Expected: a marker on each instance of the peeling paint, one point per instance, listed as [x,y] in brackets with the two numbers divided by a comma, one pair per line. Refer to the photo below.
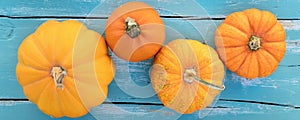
[290,24]
[13,103]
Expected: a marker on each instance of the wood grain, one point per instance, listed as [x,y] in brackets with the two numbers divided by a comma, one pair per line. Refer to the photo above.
[273,97]
[198,8]
[226,111]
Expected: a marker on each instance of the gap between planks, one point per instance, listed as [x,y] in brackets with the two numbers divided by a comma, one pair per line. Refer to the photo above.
[87,17]
[159,104]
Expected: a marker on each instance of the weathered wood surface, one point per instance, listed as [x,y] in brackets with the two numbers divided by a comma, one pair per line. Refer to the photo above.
[276,96]
[236,110]
[284,9]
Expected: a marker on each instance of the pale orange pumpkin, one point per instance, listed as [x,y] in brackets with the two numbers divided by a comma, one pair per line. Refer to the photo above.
[251,43]
[64,68]
[187,75]
[135,31]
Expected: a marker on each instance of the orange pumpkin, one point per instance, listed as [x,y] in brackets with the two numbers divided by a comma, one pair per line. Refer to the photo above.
[64,68]
[135,32]
[187,75]
[251,43]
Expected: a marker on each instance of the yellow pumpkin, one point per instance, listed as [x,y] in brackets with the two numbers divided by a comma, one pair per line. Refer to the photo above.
[64,68]
[187,75]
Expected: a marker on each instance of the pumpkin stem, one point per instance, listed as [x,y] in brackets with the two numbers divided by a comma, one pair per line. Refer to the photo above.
[58,74]
[254,43]
[190,75]
[132,28]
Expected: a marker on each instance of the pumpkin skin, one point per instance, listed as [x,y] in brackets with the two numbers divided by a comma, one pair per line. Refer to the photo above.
[54,68]
[138,44]
[251,43]
[171,71]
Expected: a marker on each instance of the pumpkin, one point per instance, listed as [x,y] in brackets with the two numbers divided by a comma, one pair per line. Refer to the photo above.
[187,75]
[135,32]
[251,43]
[64,68]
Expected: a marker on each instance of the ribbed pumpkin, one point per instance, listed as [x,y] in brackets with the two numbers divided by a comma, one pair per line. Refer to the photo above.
[251,43]
[187,75]
[64,68]
[135,32]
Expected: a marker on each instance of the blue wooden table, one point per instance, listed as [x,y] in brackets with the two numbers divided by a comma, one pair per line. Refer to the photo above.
[273,97]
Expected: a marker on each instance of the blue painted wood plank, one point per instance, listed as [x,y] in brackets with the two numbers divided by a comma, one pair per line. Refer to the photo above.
[200,8]
[266,89]
[229,110]
[11,110]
